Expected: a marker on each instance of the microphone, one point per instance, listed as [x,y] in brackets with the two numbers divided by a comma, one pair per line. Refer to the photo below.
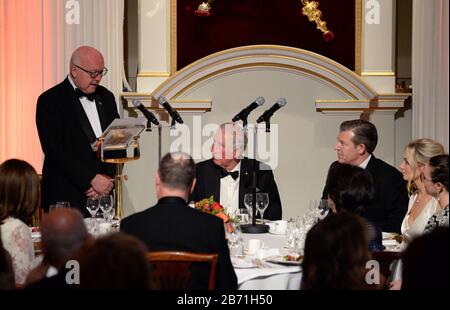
[173,113]
[148,115]
[281,102]
[245,112]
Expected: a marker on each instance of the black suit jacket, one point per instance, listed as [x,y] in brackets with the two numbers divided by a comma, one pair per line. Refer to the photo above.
[172,225]
[391,197]
[66,136]
[208,177]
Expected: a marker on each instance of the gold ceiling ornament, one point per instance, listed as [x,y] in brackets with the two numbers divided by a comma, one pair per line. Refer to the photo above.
[204,9]
[310,9]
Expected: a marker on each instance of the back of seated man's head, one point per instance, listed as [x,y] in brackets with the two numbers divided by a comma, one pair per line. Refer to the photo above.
[425,262]
[115,261]
[177,172]
[349,188]
[63,233]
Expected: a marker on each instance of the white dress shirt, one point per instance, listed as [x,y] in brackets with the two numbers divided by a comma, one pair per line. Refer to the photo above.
[366,162]
[229,192]
[91,112]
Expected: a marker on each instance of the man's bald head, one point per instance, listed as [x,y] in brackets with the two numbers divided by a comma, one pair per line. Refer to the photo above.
[84,61]
[63,233]
[84,55]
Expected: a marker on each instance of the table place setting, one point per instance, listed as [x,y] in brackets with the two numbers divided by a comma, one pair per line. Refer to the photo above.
[288,260]
[253,267]
[392,242]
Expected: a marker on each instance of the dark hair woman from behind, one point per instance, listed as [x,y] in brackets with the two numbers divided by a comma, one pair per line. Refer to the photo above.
[20,195]
[336,254]
[20,190]
[350,188]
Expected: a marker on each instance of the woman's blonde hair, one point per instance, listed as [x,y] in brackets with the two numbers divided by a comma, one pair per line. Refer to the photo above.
[418,153]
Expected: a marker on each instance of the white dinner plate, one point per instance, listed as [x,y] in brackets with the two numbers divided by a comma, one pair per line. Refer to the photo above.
[281,260]
[276,233]
[242,263]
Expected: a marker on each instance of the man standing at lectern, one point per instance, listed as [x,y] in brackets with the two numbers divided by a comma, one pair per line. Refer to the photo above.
[69,118]
[228,175]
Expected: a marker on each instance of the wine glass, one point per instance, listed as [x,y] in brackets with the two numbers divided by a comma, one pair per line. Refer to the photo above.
[106,204]
[236,242]
[324,208]
[92,205]
[62,204]
[243,215]
[262,202]
[248,202]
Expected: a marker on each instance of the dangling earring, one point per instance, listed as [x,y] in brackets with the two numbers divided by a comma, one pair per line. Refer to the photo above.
[439,196]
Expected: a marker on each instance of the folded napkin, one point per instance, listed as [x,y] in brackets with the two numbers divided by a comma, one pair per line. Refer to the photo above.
[264,253]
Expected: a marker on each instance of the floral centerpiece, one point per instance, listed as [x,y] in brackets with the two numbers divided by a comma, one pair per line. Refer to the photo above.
[208,205]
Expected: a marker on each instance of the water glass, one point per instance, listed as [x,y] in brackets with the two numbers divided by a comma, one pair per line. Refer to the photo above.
[243,216]
[248,202]
[236,241]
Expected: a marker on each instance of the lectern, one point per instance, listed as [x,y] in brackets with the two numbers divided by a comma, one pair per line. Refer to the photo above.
[119,144]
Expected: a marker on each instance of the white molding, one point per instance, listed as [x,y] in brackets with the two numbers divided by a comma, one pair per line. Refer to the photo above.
[273,56]
[183,106]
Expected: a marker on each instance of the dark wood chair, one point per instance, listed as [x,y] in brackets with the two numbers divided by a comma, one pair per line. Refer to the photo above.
[385,259]
[170,270]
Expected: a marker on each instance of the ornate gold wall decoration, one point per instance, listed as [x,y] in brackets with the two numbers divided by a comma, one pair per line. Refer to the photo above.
[310,9]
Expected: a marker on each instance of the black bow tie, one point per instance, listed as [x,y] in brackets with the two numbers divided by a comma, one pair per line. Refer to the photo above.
[79,93]
[233,174]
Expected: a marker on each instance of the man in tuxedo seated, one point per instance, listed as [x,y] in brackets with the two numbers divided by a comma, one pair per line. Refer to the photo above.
[228,175]
[355,145]
[63,235]
[70,117]
[171,225]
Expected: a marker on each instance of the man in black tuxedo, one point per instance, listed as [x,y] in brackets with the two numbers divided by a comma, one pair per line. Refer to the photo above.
[356,142]
[69,118]
[172,225]
[228,175]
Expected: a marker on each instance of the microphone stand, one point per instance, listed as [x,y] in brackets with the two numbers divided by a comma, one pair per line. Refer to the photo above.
[254,228]
[149,125]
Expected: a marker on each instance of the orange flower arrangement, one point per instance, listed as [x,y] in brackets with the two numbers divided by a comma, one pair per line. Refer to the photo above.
[208,205]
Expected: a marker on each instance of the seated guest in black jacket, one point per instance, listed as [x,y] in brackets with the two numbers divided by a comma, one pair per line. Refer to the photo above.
[172,225]
[228,175]
[355,145]
[350,189]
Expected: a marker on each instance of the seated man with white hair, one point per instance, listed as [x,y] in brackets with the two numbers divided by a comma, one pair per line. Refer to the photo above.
[228,174]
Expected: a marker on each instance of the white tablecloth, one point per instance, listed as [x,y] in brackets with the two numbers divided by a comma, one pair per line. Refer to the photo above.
[269,276]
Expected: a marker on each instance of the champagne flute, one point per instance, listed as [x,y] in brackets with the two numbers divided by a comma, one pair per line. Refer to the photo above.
[106,204]
[262,202]
[92,205]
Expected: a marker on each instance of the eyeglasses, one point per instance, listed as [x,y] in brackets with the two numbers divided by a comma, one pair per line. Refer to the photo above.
[423,179]
[93,74]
